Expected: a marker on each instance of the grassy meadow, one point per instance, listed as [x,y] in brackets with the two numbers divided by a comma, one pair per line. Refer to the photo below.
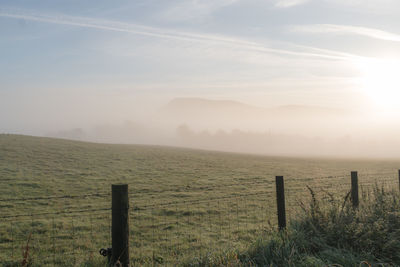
[185,205]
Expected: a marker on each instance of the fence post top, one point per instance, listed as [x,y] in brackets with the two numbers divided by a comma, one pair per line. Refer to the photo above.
[119,185]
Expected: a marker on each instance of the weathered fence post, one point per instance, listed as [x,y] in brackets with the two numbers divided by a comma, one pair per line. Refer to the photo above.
[354,189]
[399,179]
[120,225]
[280,201]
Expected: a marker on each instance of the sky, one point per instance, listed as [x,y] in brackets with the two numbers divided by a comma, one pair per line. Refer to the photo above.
[70,64]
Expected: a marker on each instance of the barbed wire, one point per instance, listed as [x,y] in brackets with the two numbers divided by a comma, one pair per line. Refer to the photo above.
[55,197]
[53,213]
[135,207]
[102,194]
[197,200]
[179,189]
[379,173]
[191,189]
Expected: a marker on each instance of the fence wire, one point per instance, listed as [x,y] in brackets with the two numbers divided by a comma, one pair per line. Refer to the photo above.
[165,229]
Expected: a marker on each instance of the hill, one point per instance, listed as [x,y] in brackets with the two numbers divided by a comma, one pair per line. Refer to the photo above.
[199,107]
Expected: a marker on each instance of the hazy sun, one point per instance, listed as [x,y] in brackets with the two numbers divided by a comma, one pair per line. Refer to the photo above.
[380,80]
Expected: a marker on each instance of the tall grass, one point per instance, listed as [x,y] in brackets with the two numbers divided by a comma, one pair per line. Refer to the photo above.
[329,232]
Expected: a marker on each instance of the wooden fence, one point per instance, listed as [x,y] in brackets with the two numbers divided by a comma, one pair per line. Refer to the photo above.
[157,231]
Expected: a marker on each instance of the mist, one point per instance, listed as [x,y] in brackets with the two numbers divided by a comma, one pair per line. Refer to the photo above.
[234,126]
[206,76]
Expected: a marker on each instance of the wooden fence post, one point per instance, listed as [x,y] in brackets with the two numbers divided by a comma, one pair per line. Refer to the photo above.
[280,201]
[399,179]
[120,225]
[354,189]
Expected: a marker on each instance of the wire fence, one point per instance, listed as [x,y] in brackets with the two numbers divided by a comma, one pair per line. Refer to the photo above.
[167,227]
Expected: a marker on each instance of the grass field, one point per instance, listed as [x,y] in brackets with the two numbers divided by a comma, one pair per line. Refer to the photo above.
[184,203]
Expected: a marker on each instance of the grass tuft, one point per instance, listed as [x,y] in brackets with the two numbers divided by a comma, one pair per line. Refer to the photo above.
[328,232]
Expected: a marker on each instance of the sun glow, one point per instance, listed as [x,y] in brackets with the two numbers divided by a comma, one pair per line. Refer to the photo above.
[380,80]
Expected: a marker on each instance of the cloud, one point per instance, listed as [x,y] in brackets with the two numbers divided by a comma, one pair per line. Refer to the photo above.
[194,9]
[208,39]
[289,3]
[376,6]
[347,29]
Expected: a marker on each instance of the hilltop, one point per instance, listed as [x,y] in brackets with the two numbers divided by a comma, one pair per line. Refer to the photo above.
[186,107]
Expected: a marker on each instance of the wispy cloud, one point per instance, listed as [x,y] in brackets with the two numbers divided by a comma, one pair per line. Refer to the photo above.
[289,3]
[371,6]
[346,29]
[194,9]
[209,39]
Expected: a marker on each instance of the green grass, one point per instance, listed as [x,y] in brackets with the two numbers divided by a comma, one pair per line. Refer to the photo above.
[328,233]
[219,201]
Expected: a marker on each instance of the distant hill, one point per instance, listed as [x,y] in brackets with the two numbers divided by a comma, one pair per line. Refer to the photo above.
[307,111]
[200,106]
[195,108]
[183,102]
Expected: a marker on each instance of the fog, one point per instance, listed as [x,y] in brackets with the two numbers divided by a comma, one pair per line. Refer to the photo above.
[266,77]
[225,125]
